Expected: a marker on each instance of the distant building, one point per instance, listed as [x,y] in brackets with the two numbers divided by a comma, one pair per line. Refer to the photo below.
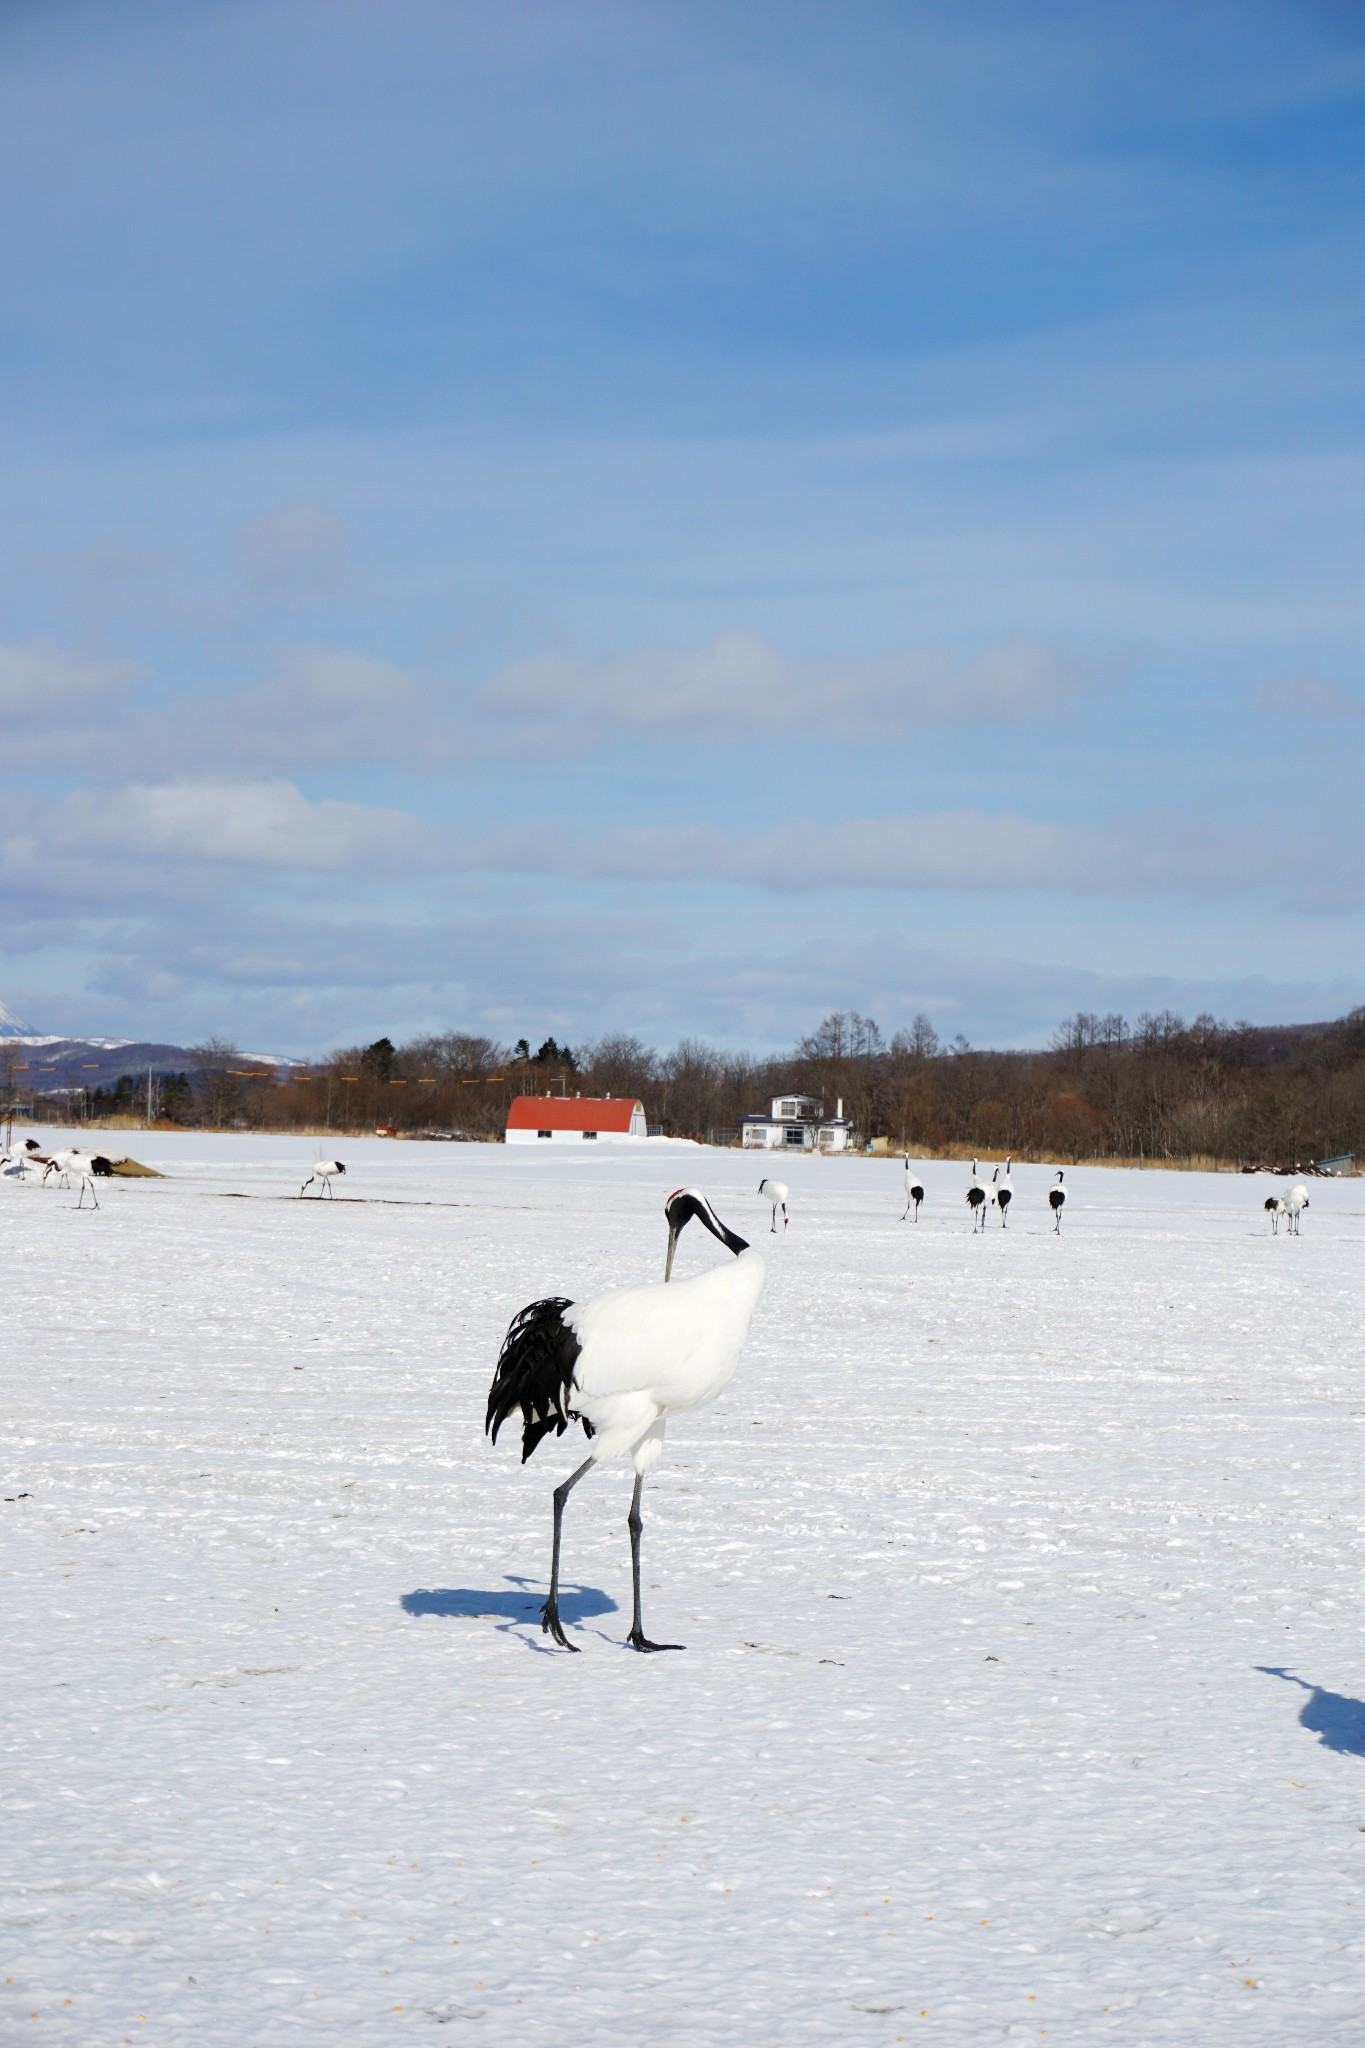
[572,1119]
[797,1123]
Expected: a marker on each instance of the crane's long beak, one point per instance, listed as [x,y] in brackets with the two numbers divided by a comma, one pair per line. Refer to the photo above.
[672,1247]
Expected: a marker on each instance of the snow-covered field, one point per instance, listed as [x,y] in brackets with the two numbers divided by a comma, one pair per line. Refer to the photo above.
[1021,1581]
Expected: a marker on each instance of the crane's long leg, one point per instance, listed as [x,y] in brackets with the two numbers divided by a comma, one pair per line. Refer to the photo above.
[549,1613]
[637,1638]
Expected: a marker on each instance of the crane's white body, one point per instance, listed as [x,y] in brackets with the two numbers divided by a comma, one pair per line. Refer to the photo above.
[63,1164]
[1004,1190]
[659,1350]
[325,1171]
[1295,1202]
[914,1191]
[776,1192]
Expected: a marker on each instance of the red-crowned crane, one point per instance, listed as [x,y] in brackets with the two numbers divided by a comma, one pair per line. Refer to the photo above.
[914,1191]
[325,1171]
[84,1166]
[28,1154]
[62,1164]
[977,1199]
[1275,1207]
[1057,1198]
[621,1364]
[1295,1202]
[1004,1191]
[776,1192]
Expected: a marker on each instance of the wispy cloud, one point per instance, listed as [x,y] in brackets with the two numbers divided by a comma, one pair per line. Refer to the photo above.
[322,706]
[53,700]
[739,685]
[254,824]
[317,707]
[143,836]
[1145,855]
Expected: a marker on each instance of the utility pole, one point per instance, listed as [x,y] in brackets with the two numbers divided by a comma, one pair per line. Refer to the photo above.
[9,1097]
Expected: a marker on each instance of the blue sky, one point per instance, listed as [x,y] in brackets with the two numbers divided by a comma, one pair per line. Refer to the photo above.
[678,518]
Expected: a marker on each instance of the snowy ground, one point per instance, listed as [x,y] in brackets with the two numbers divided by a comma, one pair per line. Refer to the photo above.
[1021,1584]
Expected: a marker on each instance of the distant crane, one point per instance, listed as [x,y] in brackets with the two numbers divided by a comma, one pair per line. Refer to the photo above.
[776,1192]
[1057,1197]
[1275,1207]
[914,1191]
[977,1199]
[1296,1201]
[326,1170]
[1004,1191]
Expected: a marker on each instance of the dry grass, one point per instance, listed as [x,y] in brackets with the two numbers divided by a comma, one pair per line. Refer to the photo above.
[1197,1162]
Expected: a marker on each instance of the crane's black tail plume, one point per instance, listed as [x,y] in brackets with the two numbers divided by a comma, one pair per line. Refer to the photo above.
[535,1373]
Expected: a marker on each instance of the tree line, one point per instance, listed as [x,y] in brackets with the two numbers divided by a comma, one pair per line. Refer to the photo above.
[1157,1089]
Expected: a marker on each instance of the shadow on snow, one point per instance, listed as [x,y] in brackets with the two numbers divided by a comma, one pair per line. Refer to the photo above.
[1337,1720]
[520,1601]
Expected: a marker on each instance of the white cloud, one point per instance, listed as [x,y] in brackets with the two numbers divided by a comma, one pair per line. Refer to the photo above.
[255,824]
[1148,855]
[322,707]
[46,690]
[739,685]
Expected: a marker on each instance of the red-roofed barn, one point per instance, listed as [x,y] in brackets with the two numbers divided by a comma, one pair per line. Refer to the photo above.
[558,1119]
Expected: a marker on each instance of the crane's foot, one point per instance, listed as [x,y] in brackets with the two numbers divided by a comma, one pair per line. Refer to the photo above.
[549,1623]
[638,1640]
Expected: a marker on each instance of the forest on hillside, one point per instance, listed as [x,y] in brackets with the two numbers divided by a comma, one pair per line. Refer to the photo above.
[1159,1089]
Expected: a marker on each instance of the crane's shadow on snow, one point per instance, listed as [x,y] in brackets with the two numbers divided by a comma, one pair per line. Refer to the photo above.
[510,1607]
[1337,1720]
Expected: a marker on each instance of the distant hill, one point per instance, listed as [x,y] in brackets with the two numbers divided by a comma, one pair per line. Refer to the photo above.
[10,1026]
[59,1063]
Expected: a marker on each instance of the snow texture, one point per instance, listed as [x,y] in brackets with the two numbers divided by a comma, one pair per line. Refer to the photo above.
[1020,1578]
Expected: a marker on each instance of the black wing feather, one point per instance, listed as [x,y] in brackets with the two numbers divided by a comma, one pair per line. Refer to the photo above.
[535,1373]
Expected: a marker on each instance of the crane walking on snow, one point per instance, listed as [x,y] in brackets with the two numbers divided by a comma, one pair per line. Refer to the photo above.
[1004,1192]
[325,1170]
[621,1364]
[914,1191]
[1275,1207]
[1296,1201]
[1057,1197]
[776,1191]
[977,1199]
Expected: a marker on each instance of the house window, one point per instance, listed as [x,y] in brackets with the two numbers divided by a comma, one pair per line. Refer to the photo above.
[796,1134]
[545,1134]
[589,1134]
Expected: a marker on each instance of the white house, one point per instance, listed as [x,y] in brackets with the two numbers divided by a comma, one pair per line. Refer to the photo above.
[797,1123]
[790,1127]
[574,1119]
